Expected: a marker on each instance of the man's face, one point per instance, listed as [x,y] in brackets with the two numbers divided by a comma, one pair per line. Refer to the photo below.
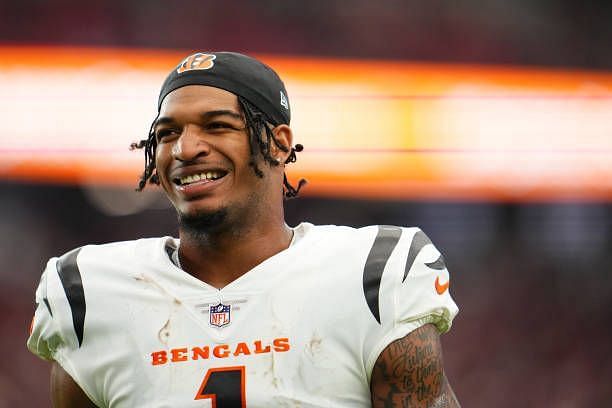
[203,154]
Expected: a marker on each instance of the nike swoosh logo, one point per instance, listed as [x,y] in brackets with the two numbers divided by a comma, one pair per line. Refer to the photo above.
[441,288]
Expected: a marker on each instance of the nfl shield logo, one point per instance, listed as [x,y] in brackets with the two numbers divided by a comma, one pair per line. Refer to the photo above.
[220,315]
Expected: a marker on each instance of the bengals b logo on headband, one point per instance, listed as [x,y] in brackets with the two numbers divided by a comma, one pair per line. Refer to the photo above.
[196,61]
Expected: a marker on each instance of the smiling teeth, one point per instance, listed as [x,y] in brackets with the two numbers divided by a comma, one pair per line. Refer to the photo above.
[209,175]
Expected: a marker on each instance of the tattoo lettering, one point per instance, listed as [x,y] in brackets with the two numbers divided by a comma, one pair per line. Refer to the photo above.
[410,373]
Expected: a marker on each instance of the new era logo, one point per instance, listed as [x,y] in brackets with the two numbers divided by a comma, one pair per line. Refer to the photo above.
[283,100]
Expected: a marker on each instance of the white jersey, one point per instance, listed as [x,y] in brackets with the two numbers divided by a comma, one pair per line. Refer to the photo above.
[304,328]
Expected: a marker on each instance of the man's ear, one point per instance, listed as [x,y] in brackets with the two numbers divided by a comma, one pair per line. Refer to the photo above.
[284,136]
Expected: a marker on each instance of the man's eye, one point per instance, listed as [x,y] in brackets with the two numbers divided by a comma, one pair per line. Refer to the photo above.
[218,126]
[163,133]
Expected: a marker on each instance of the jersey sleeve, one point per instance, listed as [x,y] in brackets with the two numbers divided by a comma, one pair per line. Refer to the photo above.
[55,334]
[422,295]
[57,327]
[415,290]
[45,334]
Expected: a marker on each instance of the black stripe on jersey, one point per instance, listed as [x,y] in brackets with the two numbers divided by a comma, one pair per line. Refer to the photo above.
[381,250]
[43,293]
[418,242]
[171,252]
[70,276]
[438,264]
[48,306]
[170,248]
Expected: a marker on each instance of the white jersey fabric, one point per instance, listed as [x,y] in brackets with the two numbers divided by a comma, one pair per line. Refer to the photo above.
[304,328]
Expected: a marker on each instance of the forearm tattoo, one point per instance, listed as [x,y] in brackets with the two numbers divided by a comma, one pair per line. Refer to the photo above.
[410,373]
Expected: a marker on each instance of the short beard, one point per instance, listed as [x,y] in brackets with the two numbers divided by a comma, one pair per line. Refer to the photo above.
[202,224]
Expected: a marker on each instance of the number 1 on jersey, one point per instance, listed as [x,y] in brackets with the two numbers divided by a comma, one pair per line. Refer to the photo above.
[224,386]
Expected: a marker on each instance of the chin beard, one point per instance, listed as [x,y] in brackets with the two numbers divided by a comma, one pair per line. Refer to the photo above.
[202,223]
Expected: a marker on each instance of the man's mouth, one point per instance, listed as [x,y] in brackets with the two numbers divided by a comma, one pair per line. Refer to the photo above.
[199,177]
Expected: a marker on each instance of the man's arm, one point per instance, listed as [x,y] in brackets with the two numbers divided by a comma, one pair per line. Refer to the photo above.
[410,373]
[65,393]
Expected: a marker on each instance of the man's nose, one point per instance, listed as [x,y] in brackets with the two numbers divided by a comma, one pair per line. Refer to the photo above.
[190,145]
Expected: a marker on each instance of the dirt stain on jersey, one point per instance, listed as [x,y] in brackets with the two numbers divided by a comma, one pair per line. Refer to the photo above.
[287,402]
[147,279]
[164,333]
[275,380]
[313,347]
[270,373]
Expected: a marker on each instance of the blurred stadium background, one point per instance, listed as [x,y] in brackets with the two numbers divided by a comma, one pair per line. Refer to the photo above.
[487,124]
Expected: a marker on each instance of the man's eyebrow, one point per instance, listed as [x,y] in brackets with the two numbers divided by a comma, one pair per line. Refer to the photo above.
[204,116]
[210,114]
[162,121]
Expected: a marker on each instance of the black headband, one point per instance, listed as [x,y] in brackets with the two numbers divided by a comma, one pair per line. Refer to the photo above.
[235,73]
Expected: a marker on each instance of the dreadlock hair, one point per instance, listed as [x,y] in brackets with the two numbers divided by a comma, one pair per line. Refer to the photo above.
[259,131]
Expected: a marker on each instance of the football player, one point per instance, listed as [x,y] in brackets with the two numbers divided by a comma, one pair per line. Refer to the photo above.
[242,310]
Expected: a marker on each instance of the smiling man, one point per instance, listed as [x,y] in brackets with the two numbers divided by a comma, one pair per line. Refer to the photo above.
[242,310]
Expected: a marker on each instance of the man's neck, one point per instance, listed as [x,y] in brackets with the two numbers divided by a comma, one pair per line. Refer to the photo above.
[218,258]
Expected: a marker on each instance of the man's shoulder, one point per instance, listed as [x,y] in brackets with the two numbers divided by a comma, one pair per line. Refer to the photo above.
[347,234]
[129,246]
[357,243]
[111,254]
[350,228]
